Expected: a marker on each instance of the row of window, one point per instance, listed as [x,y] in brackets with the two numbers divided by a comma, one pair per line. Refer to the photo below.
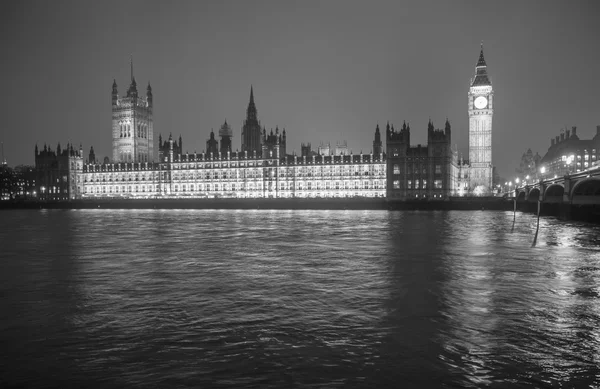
[126,132]
[228,187]
[416,168]
[418,184]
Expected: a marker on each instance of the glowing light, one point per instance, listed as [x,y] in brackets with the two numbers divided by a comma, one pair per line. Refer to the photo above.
[517,180]
[543,169]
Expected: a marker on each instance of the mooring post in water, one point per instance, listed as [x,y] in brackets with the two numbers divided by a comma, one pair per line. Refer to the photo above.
[537,229]
[514,214]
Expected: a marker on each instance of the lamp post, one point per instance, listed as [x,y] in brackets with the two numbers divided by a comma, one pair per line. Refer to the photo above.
[543,171]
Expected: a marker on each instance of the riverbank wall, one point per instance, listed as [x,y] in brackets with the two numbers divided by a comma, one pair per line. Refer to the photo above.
[482,203]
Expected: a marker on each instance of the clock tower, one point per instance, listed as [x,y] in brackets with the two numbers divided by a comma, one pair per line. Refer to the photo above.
[480,103]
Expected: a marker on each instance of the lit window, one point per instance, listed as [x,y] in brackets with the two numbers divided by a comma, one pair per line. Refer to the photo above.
[396,169]
[397,184]
[409,184]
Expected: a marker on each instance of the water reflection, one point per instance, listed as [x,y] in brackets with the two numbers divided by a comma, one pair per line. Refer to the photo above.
[297,298]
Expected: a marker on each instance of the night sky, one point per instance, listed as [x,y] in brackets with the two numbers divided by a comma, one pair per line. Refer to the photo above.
[326,71]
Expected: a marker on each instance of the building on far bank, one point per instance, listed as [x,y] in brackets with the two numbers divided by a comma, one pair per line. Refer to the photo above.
[569,154]
[58,173]
[263,168]
[132,124]
[419,172]
[481,112]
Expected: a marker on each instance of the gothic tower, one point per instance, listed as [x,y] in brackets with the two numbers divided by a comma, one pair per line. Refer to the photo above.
[226,134]
[480,103]
[251,134]
[132,125]
[377,145]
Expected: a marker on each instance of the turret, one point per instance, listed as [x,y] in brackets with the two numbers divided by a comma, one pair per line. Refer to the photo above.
[377,145]
[149,94]
[226,134]
[212,145]
[92,156]
[170,148]
[115,93]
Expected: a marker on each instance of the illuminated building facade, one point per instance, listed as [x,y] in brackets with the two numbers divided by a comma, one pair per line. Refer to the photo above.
[569,154]
[263,169]
[420,172]
[480,106]
[238,175]
[132,125]
[221,173]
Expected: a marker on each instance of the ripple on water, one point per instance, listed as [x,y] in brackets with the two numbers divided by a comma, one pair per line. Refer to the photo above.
[258,298]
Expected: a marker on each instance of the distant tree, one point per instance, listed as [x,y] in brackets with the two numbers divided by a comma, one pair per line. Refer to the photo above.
[23,169]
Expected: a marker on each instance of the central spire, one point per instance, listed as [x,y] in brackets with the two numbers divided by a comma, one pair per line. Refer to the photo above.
[481,61]
[251,111]
[132,91]
[481,76]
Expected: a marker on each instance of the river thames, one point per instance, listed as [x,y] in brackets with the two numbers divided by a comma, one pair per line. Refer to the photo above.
[259,298]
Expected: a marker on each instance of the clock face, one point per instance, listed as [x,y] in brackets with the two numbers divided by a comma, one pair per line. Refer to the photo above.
[480,102]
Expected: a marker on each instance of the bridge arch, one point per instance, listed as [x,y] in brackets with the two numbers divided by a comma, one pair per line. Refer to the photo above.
[586,191]
[554,190]
[520,195]
[534,194]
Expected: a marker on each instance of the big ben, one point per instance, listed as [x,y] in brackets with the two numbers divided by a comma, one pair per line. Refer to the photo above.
[481,98]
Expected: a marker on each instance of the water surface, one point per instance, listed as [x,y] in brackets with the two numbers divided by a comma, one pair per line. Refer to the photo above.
[259,298]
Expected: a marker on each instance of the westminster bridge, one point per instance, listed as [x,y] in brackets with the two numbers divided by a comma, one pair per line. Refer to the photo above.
[573,195]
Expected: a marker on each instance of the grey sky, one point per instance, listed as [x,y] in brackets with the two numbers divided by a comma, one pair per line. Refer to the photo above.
[326,71]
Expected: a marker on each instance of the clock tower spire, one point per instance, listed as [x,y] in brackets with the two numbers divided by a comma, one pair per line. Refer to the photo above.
[480,108]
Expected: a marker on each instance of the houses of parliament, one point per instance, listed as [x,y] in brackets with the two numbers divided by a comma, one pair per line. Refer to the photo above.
[264,168]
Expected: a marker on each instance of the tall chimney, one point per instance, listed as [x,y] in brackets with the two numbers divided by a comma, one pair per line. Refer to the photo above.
[573,130]
[557,138]
[562,136]
[567,135]
[551,142]
[598,130]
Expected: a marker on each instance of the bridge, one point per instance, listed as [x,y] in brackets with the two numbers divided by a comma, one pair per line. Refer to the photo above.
[573,193]
[578,189]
